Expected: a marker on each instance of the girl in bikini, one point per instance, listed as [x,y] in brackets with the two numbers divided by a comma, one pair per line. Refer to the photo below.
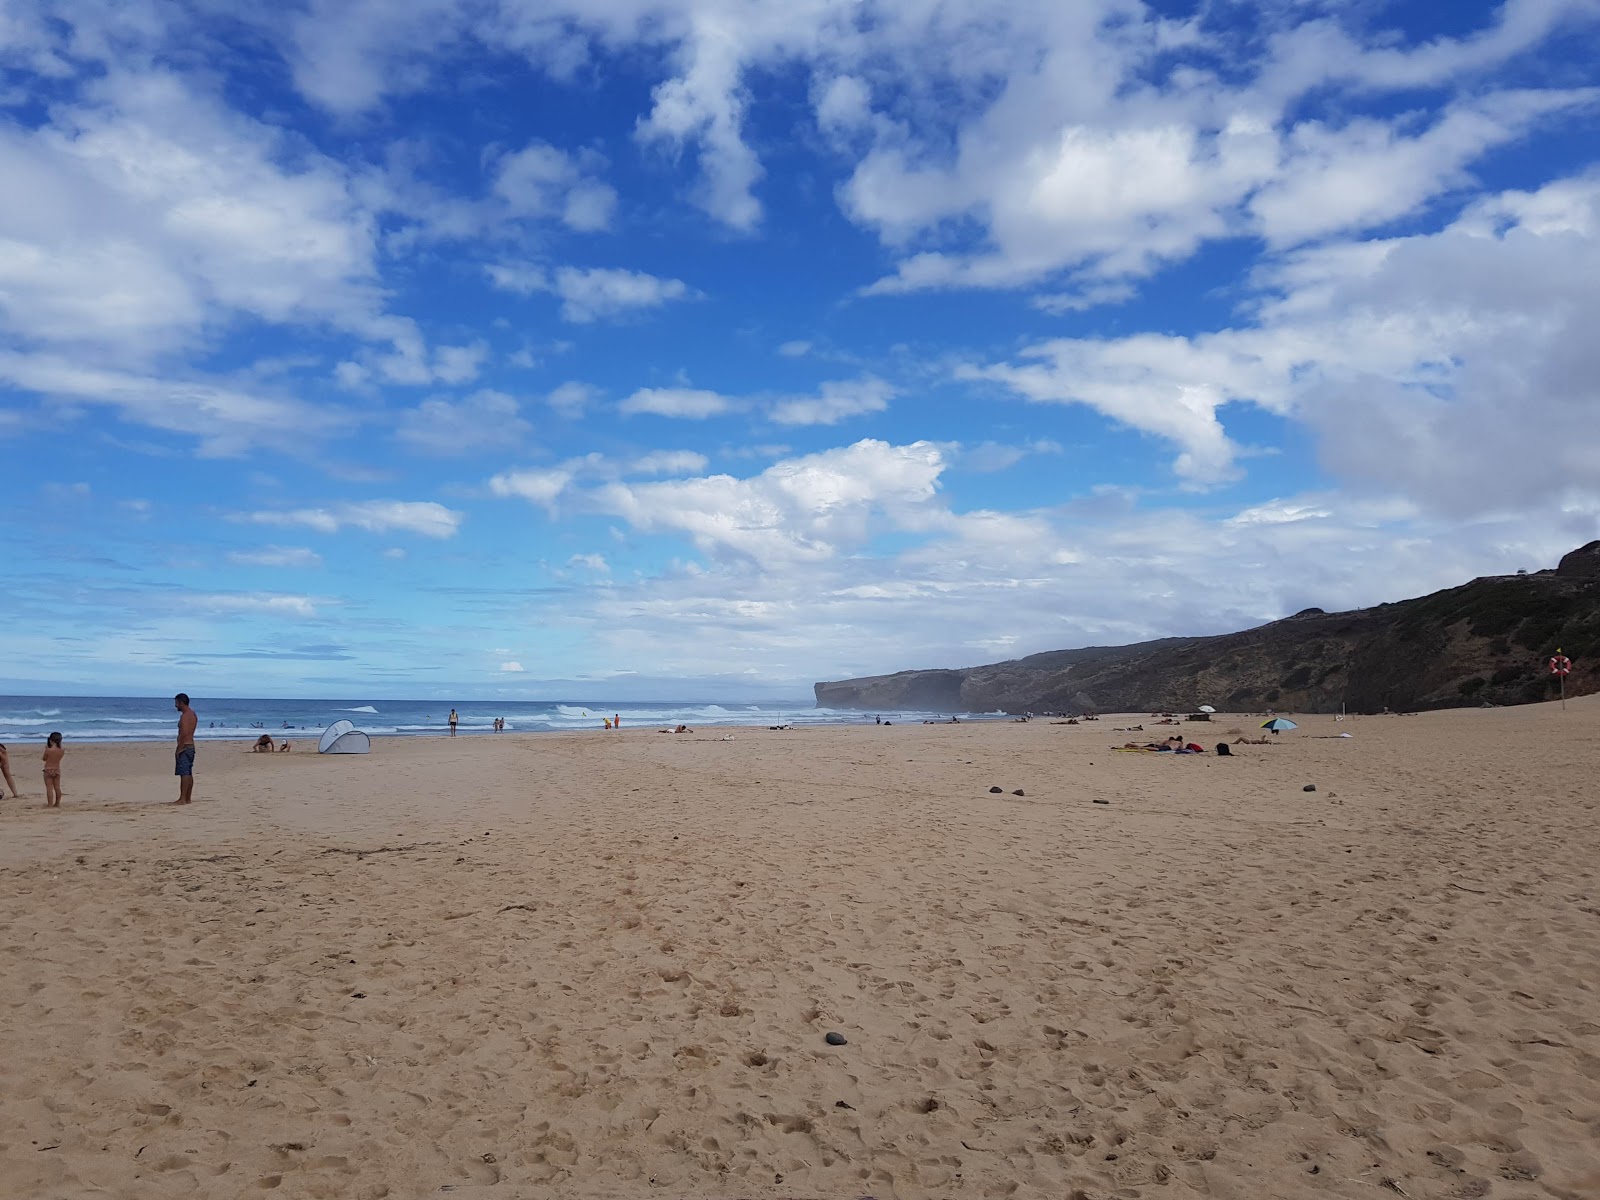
[54,752]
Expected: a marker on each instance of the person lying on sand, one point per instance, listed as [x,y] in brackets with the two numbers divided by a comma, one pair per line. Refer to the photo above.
[679,729]
[1261,741]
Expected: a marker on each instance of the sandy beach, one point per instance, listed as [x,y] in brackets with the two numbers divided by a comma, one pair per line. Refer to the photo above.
[605,965]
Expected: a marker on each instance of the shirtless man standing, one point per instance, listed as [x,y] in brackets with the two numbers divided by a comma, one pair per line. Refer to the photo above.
[183,766]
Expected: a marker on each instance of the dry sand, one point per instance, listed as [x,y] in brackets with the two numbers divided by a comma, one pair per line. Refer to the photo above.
[598,965]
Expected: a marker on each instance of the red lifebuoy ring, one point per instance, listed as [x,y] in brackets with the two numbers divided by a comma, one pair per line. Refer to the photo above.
[1560,664]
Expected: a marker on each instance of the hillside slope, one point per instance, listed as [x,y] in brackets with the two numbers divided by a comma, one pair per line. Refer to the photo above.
[1485,641]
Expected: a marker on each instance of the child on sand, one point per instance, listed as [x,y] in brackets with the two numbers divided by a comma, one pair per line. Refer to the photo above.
[5,770]
[54,752]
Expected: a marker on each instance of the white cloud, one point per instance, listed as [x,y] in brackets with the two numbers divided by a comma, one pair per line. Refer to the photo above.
[145,213]
[511,668]
[1371,171]
[539,486]
[459,364]
[394,552]
[424,517]
[543,181]
[798,509]
[485,420]
[795,349]
[570,399]
[1414,361]
[276,556]
[668,462]
[688,403]
[523,278]
[590,562]
[591,294]
[835,402]
[268,603]
[225,419]
[1097,136]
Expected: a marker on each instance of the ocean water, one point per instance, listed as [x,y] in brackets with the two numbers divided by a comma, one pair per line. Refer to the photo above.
[26,719]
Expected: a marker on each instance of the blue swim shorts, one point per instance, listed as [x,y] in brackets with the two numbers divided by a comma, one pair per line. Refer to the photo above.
[185,762]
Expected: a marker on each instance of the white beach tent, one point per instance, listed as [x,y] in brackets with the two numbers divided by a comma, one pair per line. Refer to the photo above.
[343,738]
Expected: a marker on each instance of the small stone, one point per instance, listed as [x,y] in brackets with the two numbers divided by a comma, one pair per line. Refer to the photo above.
[996,791]
[1100,802]
[836,1039]
[1310,787]
[1018,792]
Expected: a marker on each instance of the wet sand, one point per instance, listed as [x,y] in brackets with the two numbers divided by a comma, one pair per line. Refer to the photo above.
[603,965]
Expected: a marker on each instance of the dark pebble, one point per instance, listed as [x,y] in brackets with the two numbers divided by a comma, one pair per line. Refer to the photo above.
[996,791]
[1310,787]
[1100,802]
[836,1039]
[1018,792]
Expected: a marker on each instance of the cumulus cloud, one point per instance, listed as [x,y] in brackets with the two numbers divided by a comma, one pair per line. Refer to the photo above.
[597,293]
[542,181]
[424,517]
[511,668]
[145,213]
[541,486]
[835,402]
[691,404]
[1416,361]
[591,294]
[801,508]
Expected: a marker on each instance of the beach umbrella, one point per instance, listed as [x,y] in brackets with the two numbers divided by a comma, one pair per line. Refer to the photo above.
[1279,724]
[1207,708]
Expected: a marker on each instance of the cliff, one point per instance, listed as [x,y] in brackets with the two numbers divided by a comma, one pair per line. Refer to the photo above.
[1485,641]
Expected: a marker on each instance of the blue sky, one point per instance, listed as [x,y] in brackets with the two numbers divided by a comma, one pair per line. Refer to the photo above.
[712,347]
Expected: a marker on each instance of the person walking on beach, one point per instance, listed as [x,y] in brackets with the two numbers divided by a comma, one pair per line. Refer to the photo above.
[54,752]
[453,720]
[5,770]
[183,757]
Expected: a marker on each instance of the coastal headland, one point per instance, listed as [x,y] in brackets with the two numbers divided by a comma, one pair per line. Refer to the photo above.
[1486,641]
[584,965]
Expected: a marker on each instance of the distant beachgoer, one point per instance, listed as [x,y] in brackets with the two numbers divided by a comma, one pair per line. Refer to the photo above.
[616,721]
[453,720]
[54,752]
[264,745]
[683,729]
[183,755]
[877,720]
[284,749]
[5,770]
[607,720]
